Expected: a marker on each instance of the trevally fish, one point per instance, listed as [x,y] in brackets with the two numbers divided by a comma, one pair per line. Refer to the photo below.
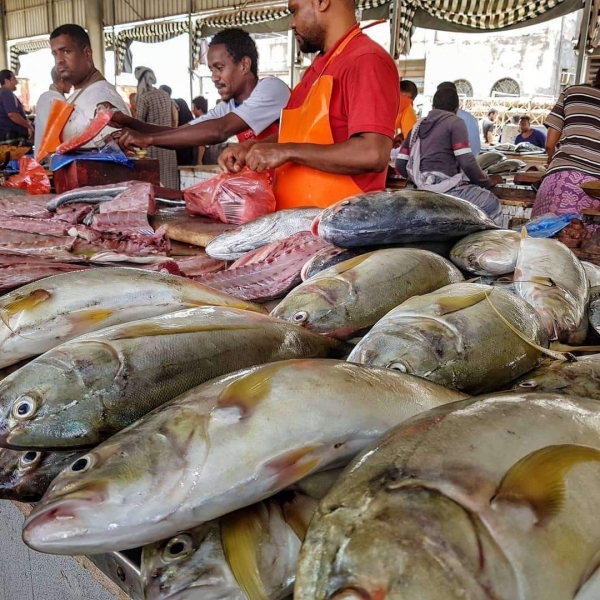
[38,316]
[492,497]
[224,445]
[81,392]
[399,217]
[465,336]
[233,244]
[355,294]
[550,277]
[491,252]
[26,475]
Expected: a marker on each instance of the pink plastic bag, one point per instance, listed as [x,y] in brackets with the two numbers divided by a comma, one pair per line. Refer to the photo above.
[232,198]
[32,177]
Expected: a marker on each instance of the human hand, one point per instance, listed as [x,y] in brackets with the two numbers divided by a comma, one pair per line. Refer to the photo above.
[130,139]
[263,157]
[119,120]
[495,180]
[233,158]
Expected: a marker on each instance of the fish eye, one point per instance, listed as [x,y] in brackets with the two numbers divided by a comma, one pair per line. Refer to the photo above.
[24,408]
[300,317]
[530,383]
[29,459]
[178,547]
[398,366]
[81,465]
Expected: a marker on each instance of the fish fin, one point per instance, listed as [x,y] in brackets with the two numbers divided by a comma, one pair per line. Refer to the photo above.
[23,303]
[547,281]
[248,391]
[558,347]
[524,233]
[241,540]
[294,465]
[538,478]
[81,320]
[520,334]
[149,329]
[351,263]
[298,512]
[450,304]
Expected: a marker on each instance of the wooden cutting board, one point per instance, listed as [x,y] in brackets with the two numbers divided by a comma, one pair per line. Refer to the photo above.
[198,231]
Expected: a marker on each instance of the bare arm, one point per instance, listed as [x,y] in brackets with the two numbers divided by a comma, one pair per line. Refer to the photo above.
[121,120]
[551,142]
[19,120]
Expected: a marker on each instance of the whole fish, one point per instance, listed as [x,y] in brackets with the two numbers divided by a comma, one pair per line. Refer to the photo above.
[506,166]
[249,553]
[26,475]
[90,194]
[580,378]
[48,312]
[593,273]
[233,244]
[487,252]
[493,497]
[82,392]
[324,259]
[399,217]
[352,296]
[487,159]
[271,272]
[224,445]
[463,336]
[594,309]
[550,277]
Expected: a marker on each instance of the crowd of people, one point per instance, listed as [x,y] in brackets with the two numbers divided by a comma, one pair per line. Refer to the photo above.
[329,138]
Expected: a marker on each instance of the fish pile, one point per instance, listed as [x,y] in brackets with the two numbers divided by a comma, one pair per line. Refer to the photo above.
[393,428]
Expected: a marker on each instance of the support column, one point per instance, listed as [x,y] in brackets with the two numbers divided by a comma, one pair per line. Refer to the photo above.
[94,21]
[3,47]
[586,17]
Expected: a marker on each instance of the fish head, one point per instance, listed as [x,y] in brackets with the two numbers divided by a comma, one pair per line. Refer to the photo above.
[55,401]
[122,488]
[191,564]
[407,543]
[410,344]
[319,307]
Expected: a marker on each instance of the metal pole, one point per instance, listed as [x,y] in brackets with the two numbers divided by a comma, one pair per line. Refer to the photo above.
[191,51]
[94,21]
[394,30]
[292,47]
[3,36]
[586,17]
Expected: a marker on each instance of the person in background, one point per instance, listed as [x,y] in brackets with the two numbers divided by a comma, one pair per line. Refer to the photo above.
[407,117]
[133,104]
[251,107]
[13,122]
[74,61]
[155,107]
[57,91]
[175,108]
[573,152]
[185,156]
[488,126]
[509,132]
[529,134]
[199,106]
[437,157]
[468,118]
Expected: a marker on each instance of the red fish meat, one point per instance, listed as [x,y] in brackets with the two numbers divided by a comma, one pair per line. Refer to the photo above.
[15,272]
[96,125]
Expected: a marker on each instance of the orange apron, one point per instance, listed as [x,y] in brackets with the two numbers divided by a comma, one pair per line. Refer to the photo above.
[296,185]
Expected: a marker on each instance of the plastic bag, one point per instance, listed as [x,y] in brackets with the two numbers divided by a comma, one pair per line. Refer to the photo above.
[107,154]
[232,198]
[545,226]
[32,177]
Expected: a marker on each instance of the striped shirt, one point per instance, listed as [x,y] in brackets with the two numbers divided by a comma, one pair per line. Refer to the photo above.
[576,117]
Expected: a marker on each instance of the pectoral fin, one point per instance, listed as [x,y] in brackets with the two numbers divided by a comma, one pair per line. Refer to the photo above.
[23,303]
[298,512]
[88,318]
[537,480]
[241,536]
[450,304]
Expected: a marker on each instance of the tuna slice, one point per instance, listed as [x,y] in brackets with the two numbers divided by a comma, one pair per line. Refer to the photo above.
[97,124]
[269,272]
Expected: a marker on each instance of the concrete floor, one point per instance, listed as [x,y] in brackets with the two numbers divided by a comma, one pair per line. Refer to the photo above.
[29,575]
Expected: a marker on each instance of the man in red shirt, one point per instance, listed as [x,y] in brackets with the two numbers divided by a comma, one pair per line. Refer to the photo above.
[337,130]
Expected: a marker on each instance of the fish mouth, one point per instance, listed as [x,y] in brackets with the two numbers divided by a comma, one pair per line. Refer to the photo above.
[314,228]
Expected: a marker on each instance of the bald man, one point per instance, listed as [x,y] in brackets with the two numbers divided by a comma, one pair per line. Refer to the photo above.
[337,130]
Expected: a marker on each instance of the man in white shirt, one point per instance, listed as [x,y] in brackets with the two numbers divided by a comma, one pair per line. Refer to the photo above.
[58,90]
[73,60]
[251,107]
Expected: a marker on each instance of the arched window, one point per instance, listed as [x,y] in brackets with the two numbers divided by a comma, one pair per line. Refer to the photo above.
[464,88]
[505,87]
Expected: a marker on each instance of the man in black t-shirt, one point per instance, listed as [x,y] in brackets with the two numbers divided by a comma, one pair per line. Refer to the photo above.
[13,122]
[488,127]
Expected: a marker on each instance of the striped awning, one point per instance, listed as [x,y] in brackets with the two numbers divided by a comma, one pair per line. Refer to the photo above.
[488,15]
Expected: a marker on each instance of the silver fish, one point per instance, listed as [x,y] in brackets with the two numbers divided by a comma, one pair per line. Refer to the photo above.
[233,244]
[487,159]
[487,252]
[506,166]
[593,273]
[90,194]
[224,445]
